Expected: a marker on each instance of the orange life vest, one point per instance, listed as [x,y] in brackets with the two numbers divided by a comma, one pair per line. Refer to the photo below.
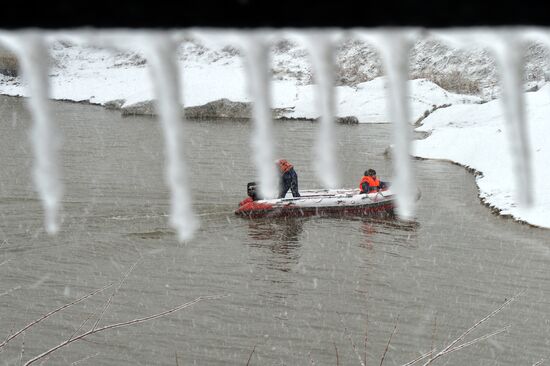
[374,183]
[284,165]
[245,201]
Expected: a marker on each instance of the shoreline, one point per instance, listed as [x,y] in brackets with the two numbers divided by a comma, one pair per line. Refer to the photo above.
[418,135]
[494,210]
[192,113]
[477,137]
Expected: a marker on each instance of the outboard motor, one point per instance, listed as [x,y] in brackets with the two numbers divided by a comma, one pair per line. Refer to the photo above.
[251,191]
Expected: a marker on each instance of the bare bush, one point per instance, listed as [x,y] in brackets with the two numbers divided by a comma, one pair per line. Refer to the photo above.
[283,46]
[231,51]
[453,81]
[9,64]
[130,59]
[356,63]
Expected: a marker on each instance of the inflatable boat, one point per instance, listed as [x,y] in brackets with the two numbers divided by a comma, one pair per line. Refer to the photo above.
[322,202]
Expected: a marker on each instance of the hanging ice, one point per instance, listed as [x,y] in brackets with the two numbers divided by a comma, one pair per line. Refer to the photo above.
[510,52]
[322,55]
[33,55]
[257,60]
[508,46]
[394,46]
[165,77]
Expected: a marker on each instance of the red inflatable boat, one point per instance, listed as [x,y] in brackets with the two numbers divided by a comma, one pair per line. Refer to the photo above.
[322,202]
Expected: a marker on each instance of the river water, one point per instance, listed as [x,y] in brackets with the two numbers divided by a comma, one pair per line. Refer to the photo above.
[299,291]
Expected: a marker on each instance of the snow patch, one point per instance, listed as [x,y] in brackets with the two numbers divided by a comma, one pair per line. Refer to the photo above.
[475,136]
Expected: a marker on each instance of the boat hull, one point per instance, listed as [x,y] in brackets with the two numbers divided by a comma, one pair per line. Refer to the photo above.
[322,203]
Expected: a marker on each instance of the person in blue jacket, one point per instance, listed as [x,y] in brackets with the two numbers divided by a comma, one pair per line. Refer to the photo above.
[289,179]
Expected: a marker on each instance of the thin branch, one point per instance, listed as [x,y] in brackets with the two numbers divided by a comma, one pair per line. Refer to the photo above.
[82,325]
[108,303]
[421,357]
[458,347]
[464,345]
[336,350]
[84,359]
[177,362]
[539,363]
[366,337]
[22,350]
[453,343]
[122,324]
[250,357]
[9,338]
[389,340]
[351,341]
[433,333]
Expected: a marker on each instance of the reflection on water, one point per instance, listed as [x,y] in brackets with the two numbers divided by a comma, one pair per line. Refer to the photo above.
[368,229]
[281,237]
[390,229]
[283,229]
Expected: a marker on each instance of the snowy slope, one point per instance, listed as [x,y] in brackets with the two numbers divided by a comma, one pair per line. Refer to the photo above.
[100,76]
[476,136]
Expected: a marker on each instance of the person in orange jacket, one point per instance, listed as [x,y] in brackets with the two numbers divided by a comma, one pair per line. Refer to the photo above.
[289,179]
[370,183]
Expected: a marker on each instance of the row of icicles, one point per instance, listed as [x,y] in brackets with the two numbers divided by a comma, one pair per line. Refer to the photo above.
[159,47]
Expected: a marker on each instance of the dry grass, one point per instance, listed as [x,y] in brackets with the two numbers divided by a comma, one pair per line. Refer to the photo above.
[9,65]
[453,81]
[354,74]
[283,46]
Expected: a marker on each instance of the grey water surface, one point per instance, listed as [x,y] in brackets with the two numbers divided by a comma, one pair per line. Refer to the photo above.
[299,291]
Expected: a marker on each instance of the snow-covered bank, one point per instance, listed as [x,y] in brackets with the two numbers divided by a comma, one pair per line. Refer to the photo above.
[476,136]
[101,76]
[467,132]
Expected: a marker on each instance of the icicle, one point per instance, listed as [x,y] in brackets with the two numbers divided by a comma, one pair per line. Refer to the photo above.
[396,62]
[510,52]
[394,50]
[165,78]
[257,60]
[322,56]
[46,140]
[509,48]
